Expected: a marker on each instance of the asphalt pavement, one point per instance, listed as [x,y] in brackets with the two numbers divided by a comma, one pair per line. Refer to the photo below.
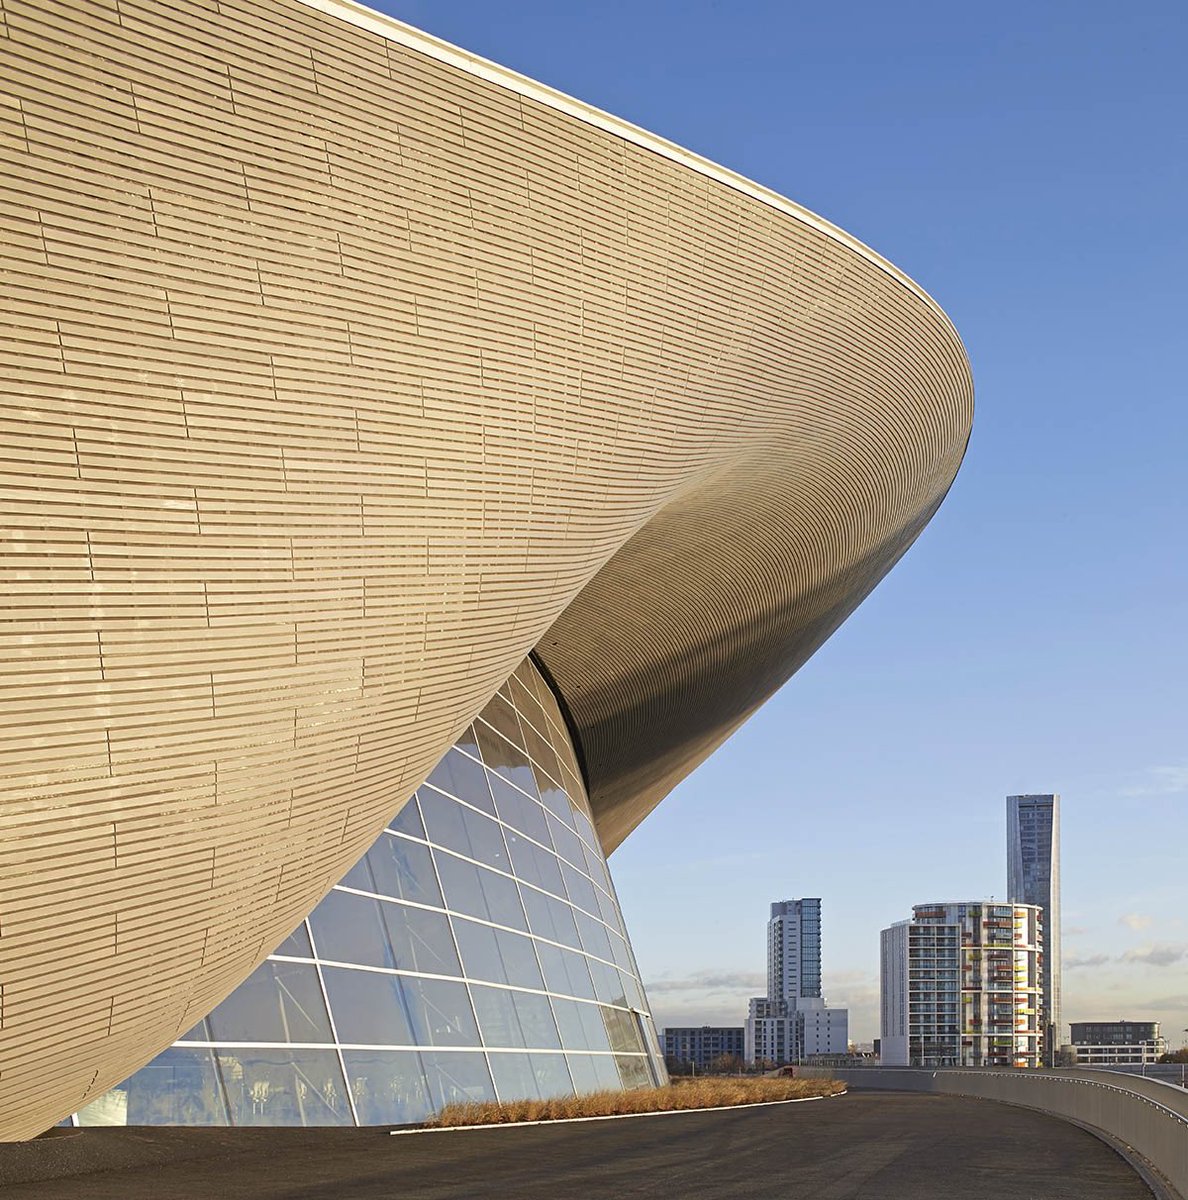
[863,1146]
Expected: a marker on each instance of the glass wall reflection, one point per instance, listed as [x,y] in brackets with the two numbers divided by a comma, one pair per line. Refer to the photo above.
[475,952]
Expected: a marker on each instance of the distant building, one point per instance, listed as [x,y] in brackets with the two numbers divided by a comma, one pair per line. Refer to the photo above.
[793,1022]
[702,1045]
[962,985]
[1033,877]
[1117,1043]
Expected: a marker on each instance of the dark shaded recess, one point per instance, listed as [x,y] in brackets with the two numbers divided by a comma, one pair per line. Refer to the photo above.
[708,610]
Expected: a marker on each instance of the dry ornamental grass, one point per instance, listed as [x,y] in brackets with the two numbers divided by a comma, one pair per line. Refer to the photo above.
[709,1091]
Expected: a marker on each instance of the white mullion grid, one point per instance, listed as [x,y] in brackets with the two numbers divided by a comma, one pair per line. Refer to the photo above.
[409,1049]
[346,1079]
[447,913]
[507,987]
[582,870]
[478,1029]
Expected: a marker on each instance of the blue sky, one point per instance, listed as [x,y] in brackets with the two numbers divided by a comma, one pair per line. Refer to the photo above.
[1028,165]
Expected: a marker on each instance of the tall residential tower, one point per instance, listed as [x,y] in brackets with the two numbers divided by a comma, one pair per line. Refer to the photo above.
[1033,877]
[793,1020]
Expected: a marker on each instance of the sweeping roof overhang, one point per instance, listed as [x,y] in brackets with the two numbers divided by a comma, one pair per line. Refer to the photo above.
[345,370]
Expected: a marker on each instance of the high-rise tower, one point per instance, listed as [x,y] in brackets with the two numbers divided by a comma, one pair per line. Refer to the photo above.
[1033,877]
[793,1020]
[794,949]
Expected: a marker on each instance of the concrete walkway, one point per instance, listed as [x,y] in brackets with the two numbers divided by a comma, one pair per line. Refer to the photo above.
[858,1147]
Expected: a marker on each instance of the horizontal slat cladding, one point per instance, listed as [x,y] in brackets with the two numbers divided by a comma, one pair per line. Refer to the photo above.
[337,378]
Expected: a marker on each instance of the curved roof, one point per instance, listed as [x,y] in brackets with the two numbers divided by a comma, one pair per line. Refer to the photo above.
[352,372]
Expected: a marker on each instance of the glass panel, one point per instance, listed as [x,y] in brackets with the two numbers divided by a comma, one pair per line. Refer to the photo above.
[296,945]
[565,972]
[623,1031]
[514,1077]
[594,1023]
[480,893]
[608,983]
[543,755]
[348,928]
[368,1007]
[278,1002]
[584,1069]
[440,1012]
[595,939]
[420,940]
[199,1033]
[179,1087]
[552,1075]
[556,801]
[580,889]
[520,811]
[464,778]
[582,824]
[610,914]
[457,827]
[608,1072]
[359,876]
[594,868]
[568,844]
[497,1017]
[634,1072]
[535,865]
[404,870]
[536,1021]
[284,1087]
[408,820]
[549,918]
[480,952]
[457,1078]
[505,759]
[388,1086]
[501,716]
[519,959]
[468,742]
[571,1025]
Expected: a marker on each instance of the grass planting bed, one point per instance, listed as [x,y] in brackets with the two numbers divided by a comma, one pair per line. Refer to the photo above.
[706,1092]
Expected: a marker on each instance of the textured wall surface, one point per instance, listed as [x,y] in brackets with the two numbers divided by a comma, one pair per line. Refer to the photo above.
[336,375]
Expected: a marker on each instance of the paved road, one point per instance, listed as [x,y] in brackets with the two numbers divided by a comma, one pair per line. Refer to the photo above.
[859,1147]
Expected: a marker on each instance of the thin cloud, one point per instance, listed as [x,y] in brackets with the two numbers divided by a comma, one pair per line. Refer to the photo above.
[1161,781]
[709,982]
[1161,954]
[1092,960]
[1136,921]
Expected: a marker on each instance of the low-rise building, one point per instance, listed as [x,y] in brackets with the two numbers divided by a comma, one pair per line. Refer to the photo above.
[702,1046]
[1116,1043]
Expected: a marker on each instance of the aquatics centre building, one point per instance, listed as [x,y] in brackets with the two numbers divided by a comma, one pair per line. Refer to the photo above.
[377,422]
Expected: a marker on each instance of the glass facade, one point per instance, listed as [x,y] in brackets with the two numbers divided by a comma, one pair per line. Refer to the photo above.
[475,952]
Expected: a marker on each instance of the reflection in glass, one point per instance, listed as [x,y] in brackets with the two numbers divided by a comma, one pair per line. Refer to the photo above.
[368,1007]
[296,945]
[278,1002]
[462,776]
[283,1087]
[480,893]
[460,1078]
[387,1086]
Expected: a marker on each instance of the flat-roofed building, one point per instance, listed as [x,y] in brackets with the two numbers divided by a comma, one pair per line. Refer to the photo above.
[702,1046]
[962,985]
[1116,1043]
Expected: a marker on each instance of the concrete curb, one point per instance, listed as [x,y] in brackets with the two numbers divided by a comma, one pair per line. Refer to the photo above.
[662,1112]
